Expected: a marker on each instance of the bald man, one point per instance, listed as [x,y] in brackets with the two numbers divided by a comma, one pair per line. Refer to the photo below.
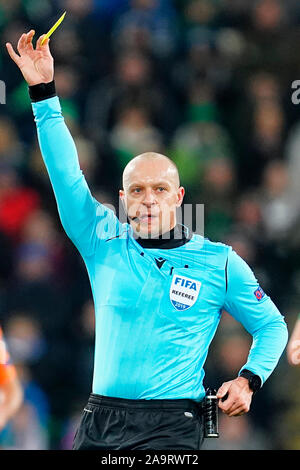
[158,291]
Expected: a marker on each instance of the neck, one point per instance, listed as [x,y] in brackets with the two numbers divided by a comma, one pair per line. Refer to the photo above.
[171,239]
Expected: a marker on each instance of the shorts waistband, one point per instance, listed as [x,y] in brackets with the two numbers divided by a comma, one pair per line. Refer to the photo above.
[181,403]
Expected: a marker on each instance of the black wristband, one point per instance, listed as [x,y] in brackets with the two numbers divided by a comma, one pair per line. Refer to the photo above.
[42,91]
[254,380]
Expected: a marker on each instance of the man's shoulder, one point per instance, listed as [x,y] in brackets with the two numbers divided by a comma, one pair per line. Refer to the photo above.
[215,253]
[211,246]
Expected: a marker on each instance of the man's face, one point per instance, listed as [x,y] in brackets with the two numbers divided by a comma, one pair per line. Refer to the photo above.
[150,196]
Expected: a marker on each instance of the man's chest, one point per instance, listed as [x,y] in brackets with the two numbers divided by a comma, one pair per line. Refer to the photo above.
[177,287]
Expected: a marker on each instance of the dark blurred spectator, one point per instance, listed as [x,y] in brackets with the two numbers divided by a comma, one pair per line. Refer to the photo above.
[269,15]
[132,81]
[84,337]
[150,26]
[90,51]
[279,208]
[265,142]
[201,138]
[33,263]
[11,149]
[292,152]
[69,429]
[133,134]
[6,256]
[90,159]
[28,430]
[25,339]
[218,194]
[198,63]
[264,88]
[17,202]
[270,20]
[109,9]
[243,245]
[34,290]
[71,52]
[248,216]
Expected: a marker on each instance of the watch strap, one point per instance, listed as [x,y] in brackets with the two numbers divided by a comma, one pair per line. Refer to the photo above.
[255,382]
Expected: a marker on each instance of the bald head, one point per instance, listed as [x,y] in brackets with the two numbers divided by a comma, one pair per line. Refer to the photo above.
[159,163]
[151,194]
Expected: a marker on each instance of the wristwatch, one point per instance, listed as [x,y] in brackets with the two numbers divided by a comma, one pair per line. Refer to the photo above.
[253,379]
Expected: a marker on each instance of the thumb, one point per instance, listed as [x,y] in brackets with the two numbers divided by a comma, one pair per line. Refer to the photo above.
[223,389]
[39,45]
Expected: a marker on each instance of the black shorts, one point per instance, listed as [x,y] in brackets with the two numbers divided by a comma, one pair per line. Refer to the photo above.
[120,424]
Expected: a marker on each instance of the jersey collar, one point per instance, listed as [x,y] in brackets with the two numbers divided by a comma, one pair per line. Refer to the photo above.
[176,237]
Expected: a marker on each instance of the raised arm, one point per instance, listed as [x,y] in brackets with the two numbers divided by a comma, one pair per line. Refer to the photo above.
[84,219]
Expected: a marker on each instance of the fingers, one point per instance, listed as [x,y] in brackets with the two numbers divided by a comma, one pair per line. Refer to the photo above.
[39,45]
[235,408]
[15,57]
[238,411]
[29,37]
[235,397]
[228,405]
[223,389]
[226,399]
[22,43]
[234,404]
[25,42]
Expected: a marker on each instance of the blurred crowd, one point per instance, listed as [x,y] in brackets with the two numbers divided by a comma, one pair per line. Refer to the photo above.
[206,82]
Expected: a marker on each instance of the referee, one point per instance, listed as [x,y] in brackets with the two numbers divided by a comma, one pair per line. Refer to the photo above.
[158,292]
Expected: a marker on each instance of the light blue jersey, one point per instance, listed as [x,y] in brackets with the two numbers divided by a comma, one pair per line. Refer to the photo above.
[153,325]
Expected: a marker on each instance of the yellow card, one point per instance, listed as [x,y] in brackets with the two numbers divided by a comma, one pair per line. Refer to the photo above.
[54,27]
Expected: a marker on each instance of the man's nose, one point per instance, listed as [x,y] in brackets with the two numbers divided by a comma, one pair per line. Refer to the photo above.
[149,198]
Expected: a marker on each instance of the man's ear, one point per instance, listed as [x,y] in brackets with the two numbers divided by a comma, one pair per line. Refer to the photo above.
[122,197]
[180,196]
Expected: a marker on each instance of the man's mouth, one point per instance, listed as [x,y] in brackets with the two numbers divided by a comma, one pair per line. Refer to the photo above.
[144,218]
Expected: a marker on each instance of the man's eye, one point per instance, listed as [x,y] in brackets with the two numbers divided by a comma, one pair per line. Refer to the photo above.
[161,189]
[137,190]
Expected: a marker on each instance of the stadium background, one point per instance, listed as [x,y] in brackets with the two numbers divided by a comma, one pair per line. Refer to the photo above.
[208,82]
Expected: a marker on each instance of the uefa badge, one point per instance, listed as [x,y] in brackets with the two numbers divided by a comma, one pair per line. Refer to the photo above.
[259,293]
[184,292]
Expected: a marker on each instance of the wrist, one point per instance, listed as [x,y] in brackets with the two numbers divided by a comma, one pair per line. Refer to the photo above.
[30,84]
[254,381]
[42,91]
[242,380]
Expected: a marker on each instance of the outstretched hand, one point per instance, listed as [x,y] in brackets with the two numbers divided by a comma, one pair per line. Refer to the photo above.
[36,65]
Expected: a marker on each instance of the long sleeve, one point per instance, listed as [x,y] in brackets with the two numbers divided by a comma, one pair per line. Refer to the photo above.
[247,303]
[85,220]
